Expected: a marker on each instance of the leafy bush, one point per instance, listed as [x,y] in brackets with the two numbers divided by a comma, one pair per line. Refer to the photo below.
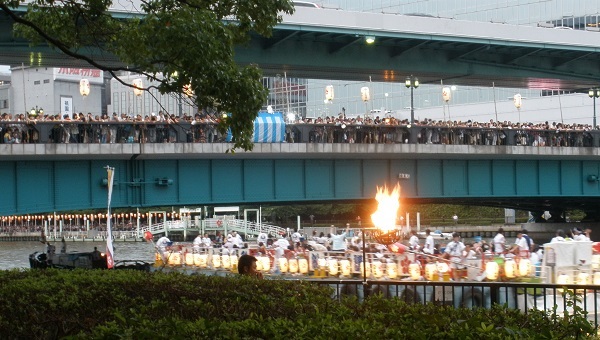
[136,305]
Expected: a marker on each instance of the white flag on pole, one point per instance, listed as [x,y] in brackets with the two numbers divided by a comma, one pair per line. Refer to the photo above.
[109,246]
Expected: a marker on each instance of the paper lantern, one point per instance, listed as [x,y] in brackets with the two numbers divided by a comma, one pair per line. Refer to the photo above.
[329,95]
[266,263]
[583,278]
[366,269]
[525,267]
[431,270]
[333,267]
[492,270]
[201,260]
[377,268]
[187,90]
[597,278]
[233,259]
[84,87]
[518,100]
[414,270]
[138,87]
[364,94]
[563,279]
[322,263]
[303,266]
[510,269]
[189,259]
[158,258]
[283,264]
[293,265]
[596,261]
[216,261]
[443,267]
[175,259]
[392,270]
[446,94]
[225,263]
[345,264]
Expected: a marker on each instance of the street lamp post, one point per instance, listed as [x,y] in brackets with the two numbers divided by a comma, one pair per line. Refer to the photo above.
[412,83]
[594,93]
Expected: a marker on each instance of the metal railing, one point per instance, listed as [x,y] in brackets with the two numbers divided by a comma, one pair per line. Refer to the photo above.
[553,298]
[189,132]
[250,229]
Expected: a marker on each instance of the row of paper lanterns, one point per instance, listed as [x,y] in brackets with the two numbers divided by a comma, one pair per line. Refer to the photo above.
[446,95]
[84,87]
[365,94]
[512,269]
[582,278]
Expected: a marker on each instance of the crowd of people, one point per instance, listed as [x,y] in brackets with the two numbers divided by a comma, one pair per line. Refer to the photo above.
[202,128]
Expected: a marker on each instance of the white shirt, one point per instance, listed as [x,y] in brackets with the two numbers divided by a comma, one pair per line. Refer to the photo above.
[499,242]
[414,242]
[206,241]
[197,241]
[262,237]
[237,240]
[580,237]
[523,247]
[557,239]
[455,250]
[283,243]
[296,237]
[338,242]
[163,242]
[429,245]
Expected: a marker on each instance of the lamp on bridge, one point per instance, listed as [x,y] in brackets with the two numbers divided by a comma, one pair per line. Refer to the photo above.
[84,87]
[518,101]
[594,93]
[365,95]
[412,83]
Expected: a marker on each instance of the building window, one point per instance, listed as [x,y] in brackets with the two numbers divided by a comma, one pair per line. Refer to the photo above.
[5,104]
[46,81]
[37,82]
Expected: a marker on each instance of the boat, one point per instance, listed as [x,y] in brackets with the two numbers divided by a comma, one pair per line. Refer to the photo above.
[82,260]
[68,260]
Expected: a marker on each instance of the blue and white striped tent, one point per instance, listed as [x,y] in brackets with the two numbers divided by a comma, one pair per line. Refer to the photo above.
[268,128]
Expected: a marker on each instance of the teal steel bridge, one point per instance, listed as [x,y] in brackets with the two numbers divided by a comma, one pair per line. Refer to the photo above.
[46,177]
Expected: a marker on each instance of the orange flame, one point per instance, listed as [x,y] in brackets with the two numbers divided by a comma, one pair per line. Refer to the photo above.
[385,216]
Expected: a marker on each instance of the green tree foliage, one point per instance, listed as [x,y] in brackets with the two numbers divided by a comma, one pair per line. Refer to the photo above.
[174,42]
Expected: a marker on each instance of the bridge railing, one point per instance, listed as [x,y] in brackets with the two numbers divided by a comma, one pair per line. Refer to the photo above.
[186,132]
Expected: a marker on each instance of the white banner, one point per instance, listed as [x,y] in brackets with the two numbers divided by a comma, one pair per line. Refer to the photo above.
[66,106]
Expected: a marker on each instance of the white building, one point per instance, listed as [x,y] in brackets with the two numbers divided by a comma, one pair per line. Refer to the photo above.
[54,90]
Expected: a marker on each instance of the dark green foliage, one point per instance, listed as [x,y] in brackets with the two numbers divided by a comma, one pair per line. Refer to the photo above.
[135,305]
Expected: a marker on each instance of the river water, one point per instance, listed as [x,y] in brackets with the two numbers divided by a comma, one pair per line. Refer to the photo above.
[16,254]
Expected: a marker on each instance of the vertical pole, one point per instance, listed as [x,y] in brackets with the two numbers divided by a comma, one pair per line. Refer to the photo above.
[364,251]
[412,106]
[595,91]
